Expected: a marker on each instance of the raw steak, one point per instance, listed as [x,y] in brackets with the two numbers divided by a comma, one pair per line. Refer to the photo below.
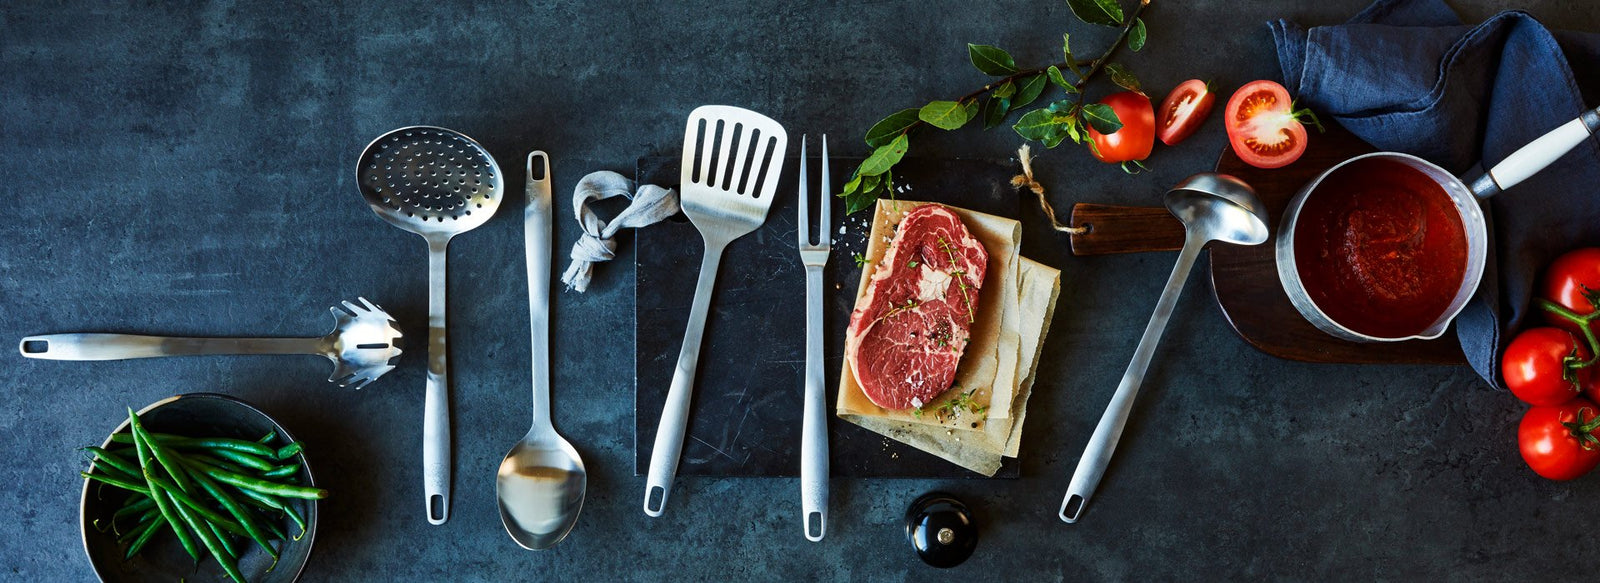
[908,332]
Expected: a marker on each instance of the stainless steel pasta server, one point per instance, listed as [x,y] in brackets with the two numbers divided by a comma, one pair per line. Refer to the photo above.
[363,343]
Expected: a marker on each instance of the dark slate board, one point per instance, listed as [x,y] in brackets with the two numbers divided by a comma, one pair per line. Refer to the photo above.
[744,419]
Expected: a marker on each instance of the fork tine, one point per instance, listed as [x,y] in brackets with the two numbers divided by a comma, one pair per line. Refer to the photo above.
[805,199]
[826,228]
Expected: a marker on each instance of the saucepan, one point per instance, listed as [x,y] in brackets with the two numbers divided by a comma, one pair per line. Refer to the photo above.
[1327,228]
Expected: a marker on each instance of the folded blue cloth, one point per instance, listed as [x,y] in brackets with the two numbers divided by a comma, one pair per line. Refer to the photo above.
[1408,76]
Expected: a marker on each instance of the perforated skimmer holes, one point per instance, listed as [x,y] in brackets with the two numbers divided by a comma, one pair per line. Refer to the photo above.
[430,173]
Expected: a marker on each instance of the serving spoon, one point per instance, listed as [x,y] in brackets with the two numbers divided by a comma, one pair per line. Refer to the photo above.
[541,480]
[1212,207]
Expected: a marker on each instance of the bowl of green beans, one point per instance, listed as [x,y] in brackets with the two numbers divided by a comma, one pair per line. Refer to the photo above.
[199,487]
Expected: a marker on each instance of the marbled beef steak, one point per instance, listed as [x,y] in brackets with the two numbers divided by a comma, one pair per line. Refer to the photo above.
[908,332]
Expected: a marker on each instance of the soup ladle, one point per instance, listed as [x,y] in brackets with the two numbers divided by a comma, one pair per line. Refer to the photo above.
[1212,207]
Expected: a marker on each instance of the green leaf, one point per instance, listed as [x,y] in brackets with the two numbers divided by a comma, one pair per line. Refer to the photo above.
[1005,90]
[853,186]
[869,184]
[886,129]
[1059,79]
[858,202]
[1102,12]
[1136,35]
[995,110]
[1101,117]
[1039,124]
[972,110]
[991,60]
[1063,107]
[1032,86]
[1066,50]
[885,157]
[1123,77]
[946,115]
[1073,130]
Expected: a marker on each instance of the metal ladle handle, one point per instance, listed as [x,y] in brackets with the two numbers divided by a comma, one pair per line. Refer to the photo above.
[1097,455]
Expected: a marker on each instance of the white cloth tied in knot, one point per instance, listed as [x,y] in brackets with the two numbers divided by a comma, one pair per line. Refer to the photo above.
[650,205]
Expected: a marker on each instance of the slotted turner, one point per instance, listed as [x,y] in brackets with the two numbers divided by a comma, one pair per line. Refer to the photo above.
[436,183]
[731,161]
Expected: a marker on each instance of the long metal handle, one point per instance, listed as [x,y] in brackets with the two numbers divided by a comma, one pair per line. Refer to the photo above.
[1104,442]
[675,413]
[436,404]
[536,227]
[814,426]
[120,346]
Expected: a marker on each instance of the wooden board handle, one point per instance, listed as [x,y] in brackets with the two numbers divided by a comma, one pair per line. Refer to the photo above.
[1124,229]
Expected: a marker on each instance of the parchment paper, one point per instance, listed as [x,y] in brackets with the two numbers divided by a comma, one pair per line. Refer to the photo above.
[1015,306]
[976,450]
[988,367]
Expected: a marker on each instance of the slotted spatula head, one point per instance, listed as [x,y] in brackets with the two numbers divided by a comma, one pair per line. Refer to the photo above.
[731,161]
[430,180]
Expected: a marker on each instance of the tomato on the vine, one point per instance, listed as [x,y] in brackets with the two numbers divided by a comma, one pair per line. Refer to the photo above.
[1559,442]
[1568,281]
[1183,111]
[1535,366]
[1264,127]
[1138,133]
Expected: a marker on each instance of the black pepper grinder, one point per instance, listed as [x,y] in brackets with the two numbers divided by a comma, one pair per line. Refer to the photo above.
[941,530]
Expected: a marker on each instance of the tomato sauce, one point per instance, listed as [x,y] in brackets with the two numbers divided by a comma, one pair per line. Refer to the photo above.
[1380,248]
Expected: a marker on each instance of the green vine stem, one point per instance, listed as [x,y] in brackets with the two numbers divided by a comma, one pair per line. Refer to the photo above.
[1583,322]
[1122,38]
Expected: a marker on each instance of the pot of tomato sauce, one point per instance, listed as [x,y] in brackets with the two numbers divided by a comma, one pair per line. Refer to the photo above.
[1386,247]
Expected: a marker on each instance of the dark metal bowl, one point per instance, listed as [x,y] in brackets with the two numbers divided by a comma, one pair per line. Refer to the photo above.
[163,559]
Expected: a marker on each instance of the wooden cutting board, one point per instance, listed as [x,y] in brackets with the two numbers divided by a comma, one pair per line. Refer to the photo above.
[745,413]
[1245,279]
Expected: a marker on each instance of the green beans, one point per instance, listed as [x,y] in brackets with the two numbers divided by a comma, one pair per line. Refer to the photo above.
[191,443]
[243,459]
[260,485]
[218,552]
[248,521]
[249,492]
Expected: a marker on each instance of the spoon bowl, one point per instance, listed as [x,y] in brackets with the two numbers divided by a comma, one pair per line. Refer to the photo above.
[541,486]
[1220,207]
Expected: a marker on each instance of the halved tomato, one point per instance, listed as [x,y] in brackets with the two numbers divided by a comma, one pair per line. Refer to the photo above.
[1264,127]
[1183,111]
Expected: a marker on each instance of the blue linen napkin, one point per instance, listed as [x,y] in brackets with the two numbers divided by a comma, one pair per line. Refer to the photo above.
[1408,76]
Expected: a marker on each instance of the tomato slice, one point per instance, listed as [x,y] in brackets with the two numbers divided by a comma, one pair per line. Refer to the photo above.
[1183,111]
[1263,127]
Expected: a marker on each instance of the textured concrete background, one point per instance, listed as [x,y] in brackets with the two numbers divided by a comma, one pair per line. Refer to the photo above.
[187,171]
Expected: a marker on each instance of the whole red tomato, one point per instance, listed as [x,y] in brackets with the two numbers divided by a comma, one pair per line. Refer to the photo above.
[1559,442]
[1138,133]
[1535,366]
[1565,282]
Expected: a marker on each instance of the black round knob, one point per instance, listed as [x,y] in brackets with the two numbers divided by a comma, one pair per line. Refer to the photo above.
[941,530]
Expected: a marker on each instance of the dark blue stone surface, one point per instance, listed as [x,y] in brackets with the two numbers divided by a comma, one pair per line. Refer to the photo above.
[187,170]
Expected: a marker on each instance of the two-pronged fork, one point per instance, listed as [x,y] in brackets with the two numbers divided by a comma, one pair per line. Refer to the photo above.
[814,427]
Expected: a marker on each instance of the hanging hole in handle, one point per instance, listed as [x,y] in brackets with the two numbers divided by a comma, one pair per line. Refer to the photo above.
[654,500]
[544,170]
[35,346]
[814,526]
[1072,508]
[436,509]
[372,345]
